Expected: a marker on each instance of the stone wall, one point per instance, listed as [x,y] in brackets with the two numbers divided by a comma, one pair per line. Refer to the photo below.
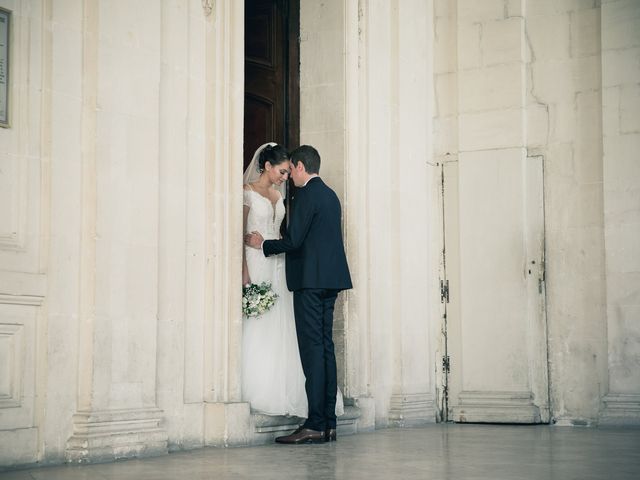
[365,97]
[621,178]
[119,319]
[120,214]
[24,238]
[564,114]
[578,83]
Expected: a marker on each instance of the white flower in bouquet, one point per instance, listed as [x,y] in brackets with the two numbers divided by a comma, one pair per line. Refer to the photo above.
[257,299]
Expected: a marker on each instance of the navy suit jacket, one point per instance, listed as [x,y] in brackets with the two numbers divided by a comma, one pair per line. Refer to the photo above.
[313,243]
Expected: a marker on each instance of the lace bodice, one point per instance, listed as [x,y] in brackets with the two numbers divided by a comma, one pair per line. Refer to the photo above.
[264,217]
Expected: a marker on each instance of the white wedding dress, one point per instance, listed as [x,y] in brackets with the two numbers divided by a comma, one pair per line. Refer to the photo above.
[272,377]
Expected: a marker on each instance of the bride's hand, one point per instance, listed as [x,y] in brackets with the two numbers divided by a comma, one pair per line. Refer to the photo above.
[246,279]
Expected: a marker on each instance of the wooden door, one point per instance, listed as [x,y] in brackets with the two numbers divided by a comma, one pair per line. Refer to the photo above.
[495,323]
[271,102]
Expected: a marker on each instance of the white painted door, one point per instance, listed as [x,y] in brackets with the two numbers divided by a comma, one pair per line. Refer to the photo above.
[495,325]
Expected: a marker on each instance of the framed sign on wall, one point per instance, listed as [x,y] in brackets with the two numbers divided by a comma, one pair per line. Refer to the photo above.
[5,24]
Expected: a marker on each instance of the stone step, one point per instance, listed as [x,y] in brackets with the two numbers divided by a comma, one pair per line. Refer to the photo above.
[267,427]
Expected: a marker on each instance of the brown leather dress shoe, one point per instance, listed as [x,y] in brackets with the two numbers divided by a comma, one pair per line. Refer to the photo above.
[302,435]
[330,435]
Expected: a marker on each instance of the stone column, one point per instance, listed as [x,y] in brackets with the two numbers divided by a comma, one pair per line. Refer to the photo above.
[227,418]
[183,279]
[116,414]
[394,149]
[333,119]
[412,274]
[621,169]
[357,320]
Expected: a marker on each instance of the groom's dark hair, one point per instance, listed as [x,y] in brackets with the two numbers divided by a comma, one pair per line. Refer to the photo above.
[309,157]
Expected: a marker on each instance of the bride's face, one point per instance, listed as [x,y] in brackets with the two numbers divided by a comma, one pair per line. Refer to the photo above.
[278,174]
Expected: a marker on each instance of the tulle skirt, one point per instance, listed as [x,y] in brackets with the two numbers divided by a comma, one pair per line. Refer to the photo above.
[272,376]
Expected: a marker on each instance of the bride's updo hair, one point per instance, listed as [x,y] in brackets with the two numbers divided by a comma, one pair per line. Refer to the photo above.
[274,154]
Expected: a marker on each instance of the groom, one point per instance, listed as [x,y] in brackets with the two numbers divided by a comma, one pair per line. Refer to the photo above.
[317,270]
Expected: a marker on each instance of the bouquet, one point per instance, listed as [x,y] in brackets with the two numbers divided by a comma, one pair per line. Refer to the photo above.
[257,299]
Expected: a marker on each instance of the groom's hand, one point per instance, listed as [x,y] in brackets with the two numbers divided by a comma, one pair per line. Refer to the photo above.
[253,240]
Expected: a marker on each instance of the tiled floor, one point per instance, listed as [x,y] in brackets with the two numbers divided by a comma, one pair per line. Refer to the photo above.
[435,452]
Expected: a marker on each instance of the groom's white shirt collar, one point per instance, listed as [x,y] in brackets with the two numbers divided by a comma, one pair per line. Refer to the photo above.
[311,178]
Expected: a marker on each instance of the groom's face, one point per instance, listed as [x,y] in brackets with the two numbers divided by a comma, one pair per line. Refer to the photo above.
[296,173]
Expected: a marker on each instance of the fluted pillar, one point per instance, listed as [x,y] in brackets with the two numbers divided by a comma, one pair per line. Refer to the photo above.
[117,415]
[227,418]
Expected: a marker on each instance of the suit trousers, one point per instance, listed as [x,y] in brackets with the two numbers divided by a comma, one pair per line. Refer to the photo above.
[314,326]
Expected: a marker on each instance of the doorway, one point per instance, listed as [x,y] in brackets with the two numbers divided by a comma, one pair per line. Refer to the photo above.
[272,67]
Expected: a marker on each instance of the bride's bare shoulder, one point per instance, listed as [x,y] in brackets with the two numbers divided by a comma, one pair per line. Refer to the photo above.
[247,186]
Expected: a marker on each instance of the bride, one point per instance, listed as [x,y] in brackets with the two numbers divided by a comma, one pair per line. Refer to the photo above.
[272,377]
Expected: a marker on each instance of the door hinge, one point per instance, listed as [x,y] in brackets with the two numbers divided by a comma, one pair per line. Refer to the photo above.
[446,364]
[444,291]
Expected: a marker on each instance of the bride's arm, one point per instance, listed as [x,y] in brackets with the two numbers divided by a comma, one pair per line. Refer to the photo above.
[245,270]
